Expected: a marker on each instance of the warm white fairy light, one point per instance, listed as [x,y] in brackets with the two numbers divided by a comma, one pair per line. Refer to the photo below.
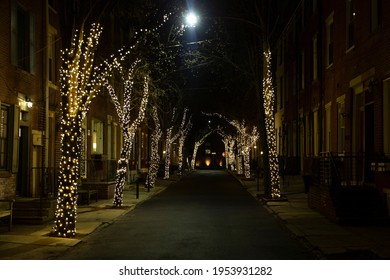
[154,155]
[231,155]
[269,100]
[128,127]
[170,138]
[183,132]
[245,140]
[80,82]
[229,142]
[197,144]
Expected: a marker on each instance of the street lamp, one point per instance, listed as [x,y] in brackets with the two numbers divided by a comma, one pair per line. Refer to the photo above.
[191,19]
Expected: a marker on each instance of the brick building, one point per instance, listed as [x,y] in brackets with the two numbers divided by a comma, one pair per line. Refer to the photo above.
[333,74]
[30,44]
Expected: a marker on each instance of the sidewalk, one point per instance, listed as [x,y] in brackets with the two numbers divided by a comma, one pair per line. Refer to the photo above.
[31,242]
[329,239]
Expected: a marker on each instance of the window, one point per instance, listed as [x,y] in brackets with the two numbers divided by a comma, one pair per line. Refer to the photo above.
[386,117]
[111,143]
[341,124]
[4,113]
[309,134]
[329,40]
[315,59]
[376,14]
[281,93]
[327,134]
[351,15]
[51,55]
[303,70]
[22,38]
[281,51]
[316,131]
[97,137]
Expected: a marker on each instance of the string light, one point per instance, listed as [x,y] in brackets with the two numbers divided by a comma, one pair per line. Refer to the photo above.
[80,82]
[184,129]
[197,144]
[170,139]
[229,143]
[168,143]
[245,140]
[154,155]
[124,114]
[269,100]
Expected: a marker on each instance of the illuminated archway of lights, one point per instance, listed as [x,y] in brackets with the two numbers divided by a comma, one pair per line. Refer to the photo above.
[269,100]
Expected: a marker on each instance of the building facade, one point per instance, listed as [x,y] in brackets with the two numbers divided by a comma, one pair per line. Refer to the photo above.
[332,73]
[30,45]
[28,95]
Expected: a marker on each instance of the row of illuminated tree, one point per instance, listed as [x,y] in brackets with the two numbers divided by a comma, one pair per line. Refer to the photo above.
[81,81]
[119,75]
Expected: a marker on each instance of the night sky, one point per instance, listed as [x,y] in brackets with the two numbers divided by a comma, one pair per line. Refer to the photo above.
[226,83]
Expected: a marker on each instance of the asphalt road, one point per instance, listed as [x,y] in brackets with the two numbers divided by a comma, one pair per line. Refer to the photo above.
[206,215]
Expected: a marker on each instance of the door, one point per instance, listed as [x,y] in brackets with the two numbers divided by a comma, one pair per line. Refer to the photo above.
[369,142]
[22,188]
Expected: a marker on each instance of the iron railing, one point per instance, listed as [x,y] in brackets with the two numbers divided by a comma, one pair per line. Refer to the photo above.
[101,170]
[46,180]
[342,170]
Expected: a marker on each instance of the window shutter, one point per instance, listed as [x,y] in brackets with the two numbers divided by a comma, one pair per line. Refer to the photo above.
[15,138]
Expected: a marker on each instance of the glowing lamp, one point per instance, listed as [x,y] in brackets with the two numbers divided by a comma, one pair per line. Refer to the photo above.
[191,19]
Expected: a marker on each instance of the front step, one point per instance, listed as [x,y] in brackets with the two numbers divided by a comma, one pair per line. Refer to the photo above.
[33,211]
[361,205]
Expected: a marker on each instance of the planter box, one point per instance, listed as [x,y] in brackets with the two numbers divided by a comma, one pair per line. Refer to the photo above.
[105,189]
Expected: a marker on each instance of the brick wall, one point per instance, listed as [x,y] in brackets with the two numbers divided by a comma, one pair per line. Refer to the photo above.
[7,186]
[319,199]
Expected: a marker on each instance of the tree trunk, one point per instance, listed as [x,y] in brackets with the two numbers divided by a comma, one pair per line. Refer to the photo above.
[194,157]
[247,168]
[66,213]
[154,161]
[122,169]
[181,144]
[168,145]
[271,164]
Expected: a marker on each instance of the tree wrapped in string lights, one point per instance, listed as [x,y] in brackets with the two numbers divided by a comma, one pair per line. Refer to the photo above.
[245,140]
[80,81]
[171,138]
[183,132]
[154,155]
[268,103]
[197,144]
[229,142]
[128,126]
[246,137]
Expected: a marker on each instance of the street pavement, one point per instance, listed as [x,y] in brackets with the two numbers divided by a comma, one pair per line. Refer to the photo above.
[205,216]
[33,242]
[325,238]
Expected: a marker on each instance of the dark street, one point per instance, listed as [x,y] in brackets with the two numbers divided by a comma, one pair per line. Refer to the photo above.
[206,215]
